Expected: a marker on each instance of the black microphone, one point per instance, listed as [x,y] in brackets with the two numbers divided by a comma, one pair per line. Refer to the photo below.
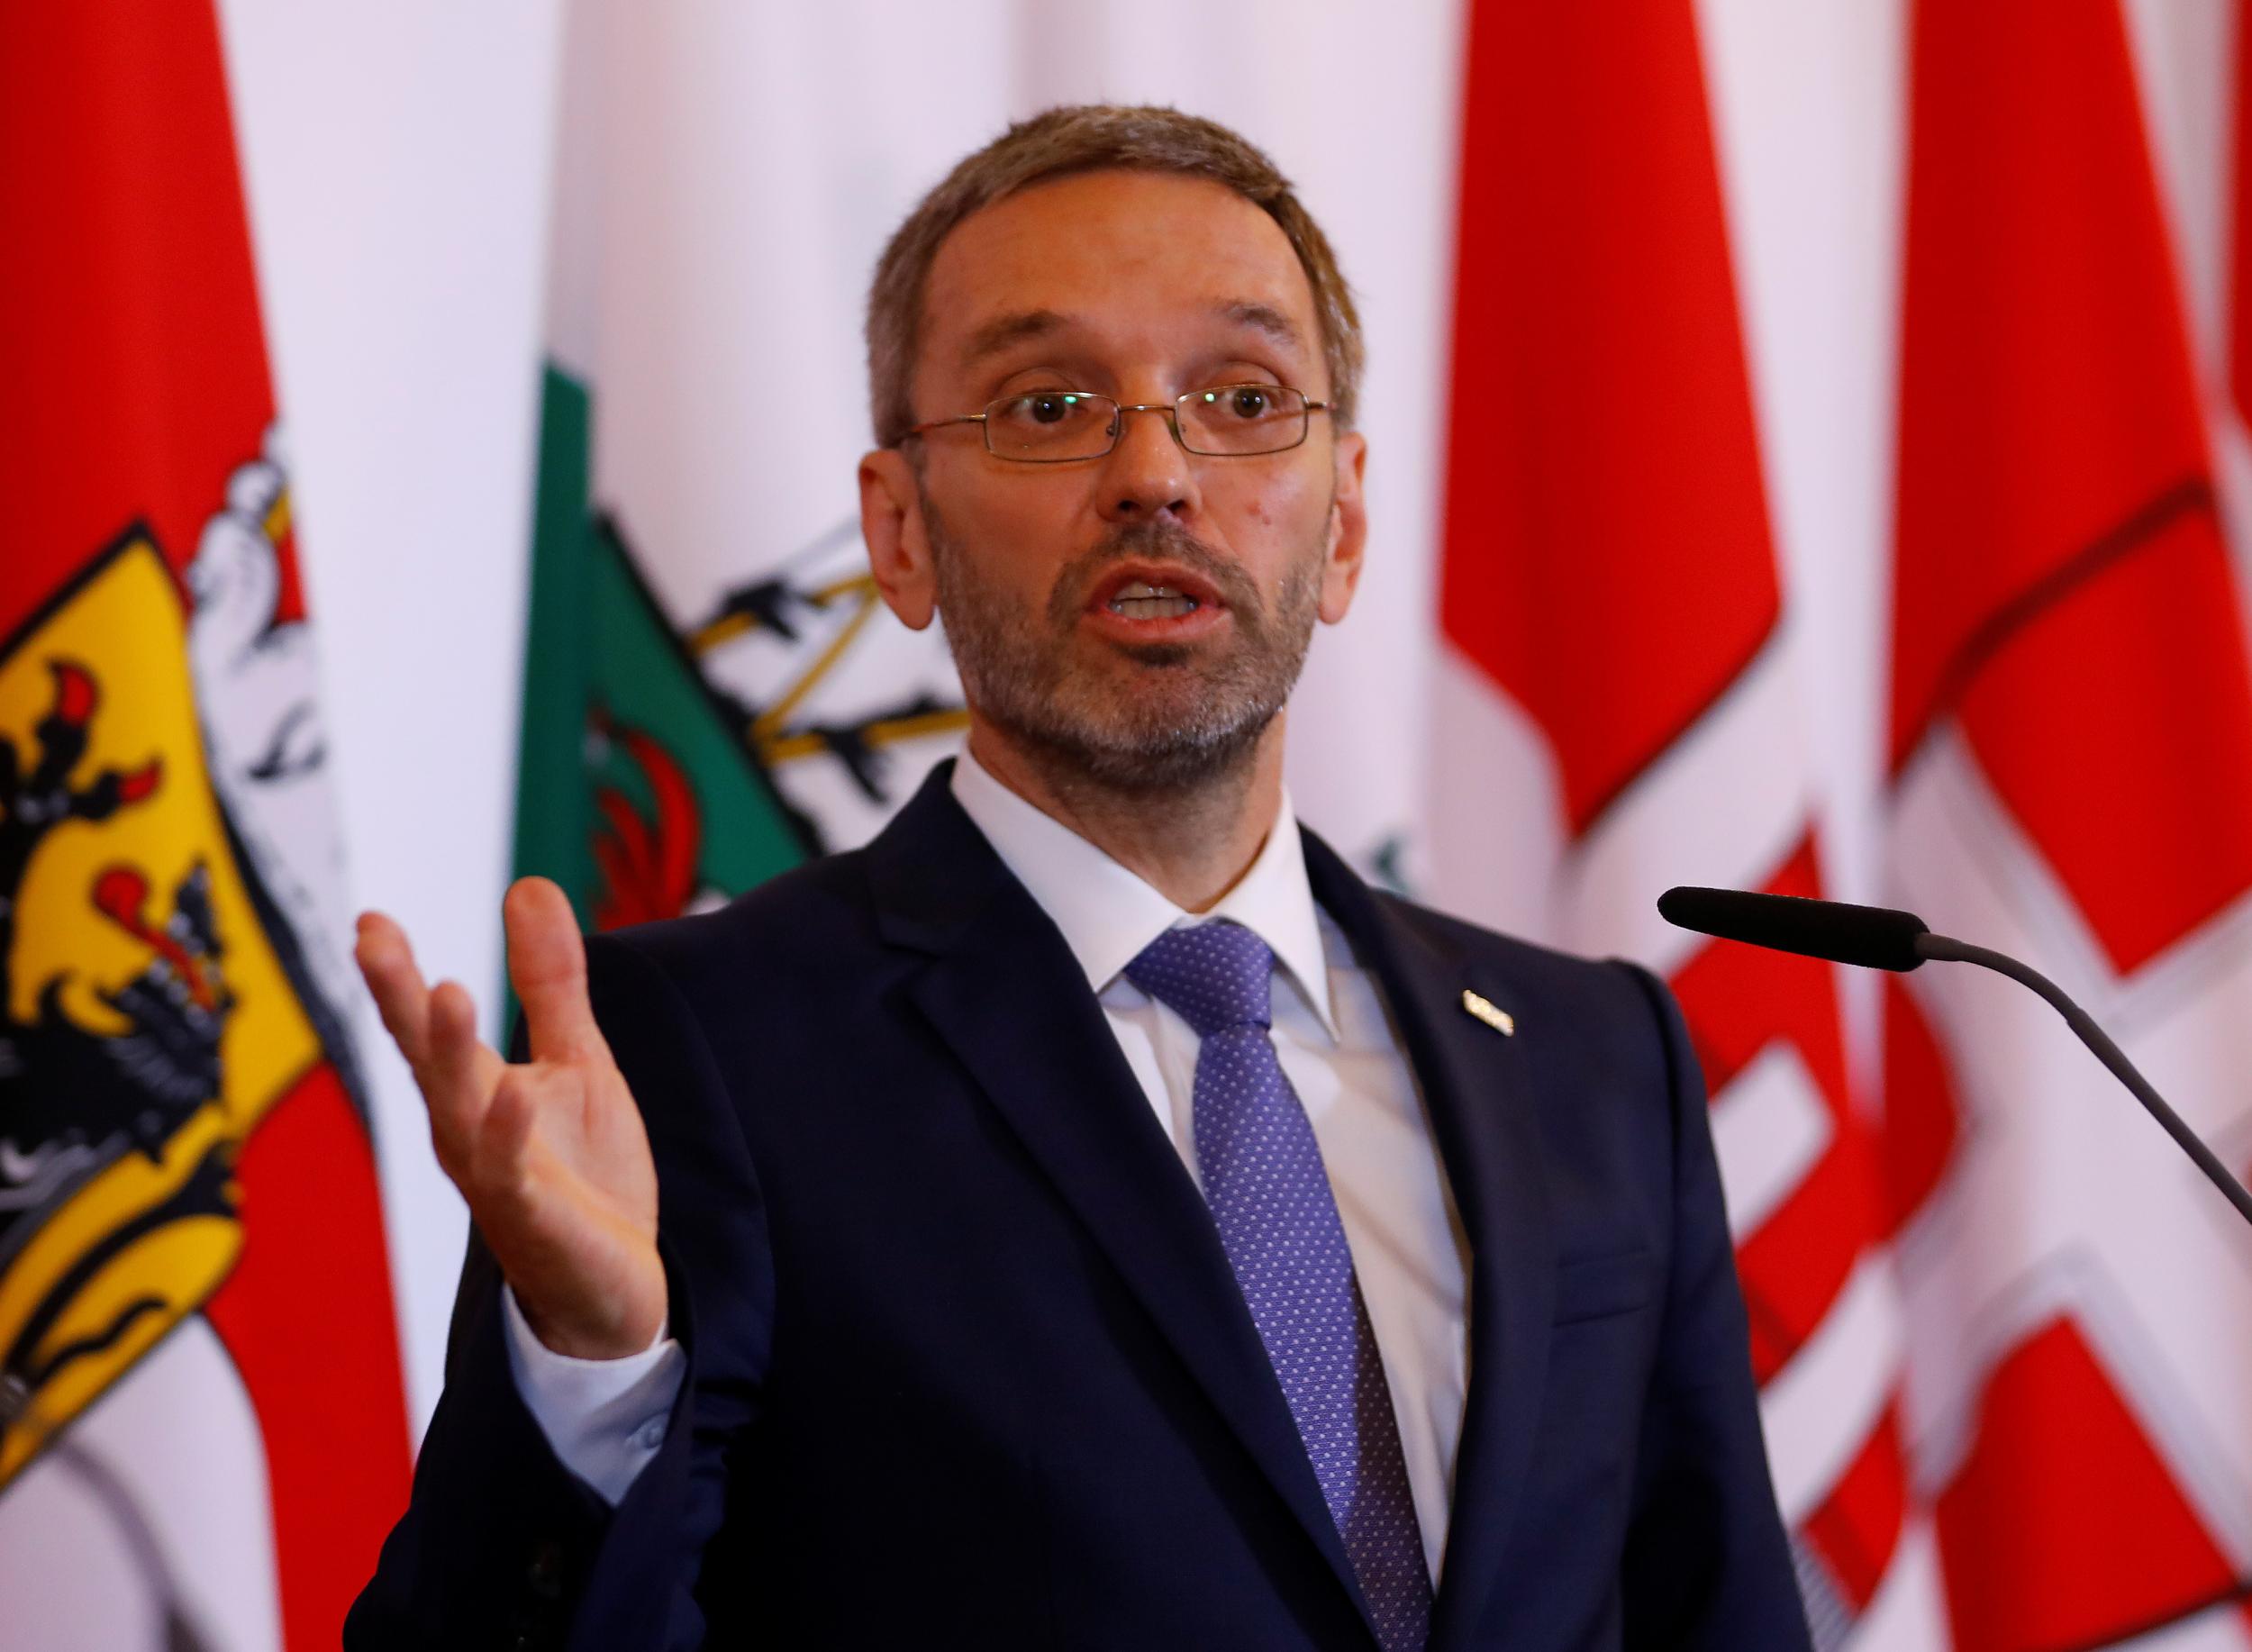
[1880,937]
[1874,937]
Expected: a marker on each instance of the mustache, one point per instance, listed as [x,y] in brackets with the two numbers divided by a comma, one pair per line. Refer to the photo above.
[1154,541]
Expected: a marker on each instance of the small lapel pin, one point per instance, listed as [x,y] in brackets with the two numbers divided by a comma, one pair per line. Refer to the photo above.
[1490,1012]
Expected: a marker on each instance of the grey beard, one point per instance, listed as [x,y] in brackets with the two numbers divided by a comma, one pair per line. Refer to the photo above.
[1202,722]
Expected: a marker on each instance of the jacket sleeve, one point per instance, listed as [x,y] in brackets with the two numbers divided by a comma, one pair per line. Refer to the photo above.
[501,1545]
[1707,1566]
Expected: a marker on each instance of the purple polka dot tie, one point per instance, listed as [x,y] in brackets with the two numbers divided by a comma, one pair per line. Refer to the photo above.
[1269,1193]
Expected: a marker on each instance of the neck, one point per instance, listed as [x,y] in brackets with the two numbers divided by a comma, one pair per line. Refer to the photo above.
[1192,845]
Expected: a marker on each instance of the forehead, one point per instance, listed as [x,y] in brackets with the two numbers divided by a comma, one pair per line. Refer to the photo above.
[1124,252]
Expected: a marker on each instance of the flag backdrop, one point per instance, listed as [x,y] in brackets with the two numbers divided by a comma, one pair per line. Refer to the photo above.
[2003,1333]
[2071,757]
[1609,569]
[203,1435]
[1808,452]
[1985,1432]
[713,689]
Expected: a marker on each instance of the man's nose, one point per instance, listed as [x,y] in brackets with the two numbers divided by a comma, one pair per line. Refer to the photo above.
[1147,472]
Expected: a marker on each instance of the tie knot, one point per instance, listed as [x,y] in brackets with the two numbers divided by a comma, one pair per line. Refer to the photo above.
[1214,975]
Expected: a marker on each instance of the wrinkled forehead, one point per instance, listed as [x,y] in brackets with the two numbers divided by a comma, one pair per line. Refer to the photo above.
[1138,266]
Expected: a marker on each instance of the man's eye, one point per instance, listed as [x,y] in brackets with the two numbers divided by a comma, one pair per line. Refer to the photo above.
[1249,403]
[1048,407]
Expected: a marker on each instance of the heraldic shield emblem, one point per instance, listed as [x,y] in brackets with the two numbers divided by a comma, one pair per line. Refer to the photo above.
[148,1020]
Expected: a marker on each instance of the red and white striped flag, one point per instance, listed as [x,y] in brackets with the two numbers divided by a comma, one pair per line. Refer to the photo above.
[1617,645]
[2072,782]
[203,1434]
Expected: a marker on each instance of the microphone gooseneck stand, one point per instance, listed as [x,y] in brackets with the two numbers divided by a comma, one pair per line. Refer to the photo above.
[1884,937]
[1947,948]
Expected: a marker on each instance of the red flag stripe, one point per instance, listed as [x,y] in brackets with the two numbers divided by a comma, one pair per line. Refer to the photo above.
[306,1315]
[1608,567]
[2050,1547]
[143,381]
[1858,1528]
[2241,227]
[2056,530]
[138,385]
[1737,1001]
[1923,1118]
[2064,609]
[1599,399]
[1796,1266]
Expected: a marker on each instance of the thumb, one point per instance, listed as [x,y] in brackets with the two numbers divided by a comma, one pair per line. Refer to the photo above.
[546,966]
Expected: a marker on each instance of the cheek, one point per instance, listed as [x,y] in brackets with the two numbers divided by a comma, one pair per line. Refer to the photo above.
[1026,510]
[1014,537]
[1279,508]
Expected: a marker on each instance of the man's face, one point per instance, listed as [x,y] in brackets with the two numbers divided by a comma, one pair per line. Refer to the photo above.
[1137,286]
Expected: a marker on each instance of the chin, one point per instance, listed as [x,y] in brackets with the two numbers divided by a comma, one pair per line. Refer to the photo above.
[1177,745]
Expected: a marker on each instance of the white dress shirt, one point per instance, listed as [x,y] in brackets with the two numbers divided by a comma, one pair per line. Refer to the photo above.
[605,1418]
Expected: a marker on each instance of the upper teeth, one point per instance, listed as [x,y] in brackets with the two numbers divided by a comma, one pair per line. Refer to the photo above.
[1142,587]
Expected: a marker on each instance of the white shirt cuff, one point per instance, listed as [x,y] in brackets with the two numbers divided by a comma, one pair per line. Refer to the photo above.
[604,1419]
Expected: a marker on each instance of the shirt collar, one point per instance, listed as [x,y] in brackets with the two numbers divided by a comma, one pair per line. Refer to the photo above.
[1108,914]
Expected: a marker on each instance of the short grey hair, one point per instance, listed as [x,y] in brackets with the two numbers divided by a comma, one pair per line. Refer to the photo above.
[1091,138]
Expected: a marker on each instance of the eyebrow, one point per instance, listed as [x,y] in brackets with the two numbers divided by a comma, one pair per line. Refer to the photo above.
[1019,326]
[1266,318]
[1004,331]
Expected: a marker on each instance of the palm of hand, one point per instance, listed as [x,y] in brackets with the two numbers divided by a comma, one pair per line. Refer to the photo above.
[550,1154]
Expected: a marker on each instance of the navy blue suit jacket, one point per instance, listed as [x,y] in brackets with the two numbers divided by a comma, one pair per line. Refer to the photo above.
[967,1366]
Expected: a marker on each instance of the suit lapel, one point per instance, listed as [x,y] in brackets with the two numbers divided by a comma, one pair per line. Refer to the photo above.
[1003,992]
[1475,1085]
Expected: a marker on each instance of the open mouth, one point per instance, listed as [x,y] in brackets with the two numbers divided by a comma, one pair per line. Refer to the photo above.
[1138,599]
[1154,593]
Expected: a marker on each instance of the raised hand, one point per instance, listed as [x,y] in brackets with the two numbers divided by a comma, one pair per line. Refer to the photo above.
[550,1154]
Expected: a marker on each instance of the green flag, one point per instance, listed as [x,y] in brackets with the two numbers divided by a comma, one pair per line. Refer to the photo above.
[638,789]
[714,689]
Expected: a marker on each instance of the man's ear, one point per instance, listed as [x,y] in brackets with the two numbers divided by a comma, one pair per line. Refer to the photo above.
[1348,530]
[899,544]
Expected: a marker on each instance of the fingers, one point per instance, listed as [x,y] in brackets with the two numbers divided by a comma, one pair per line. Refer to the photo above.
[459,1075]
[547,964]
[504,1135]
[482,1111]
[386,963]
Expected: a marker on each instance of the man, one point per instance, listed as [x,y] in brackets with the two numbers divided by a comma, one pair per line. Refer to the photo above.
[1090,1216]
